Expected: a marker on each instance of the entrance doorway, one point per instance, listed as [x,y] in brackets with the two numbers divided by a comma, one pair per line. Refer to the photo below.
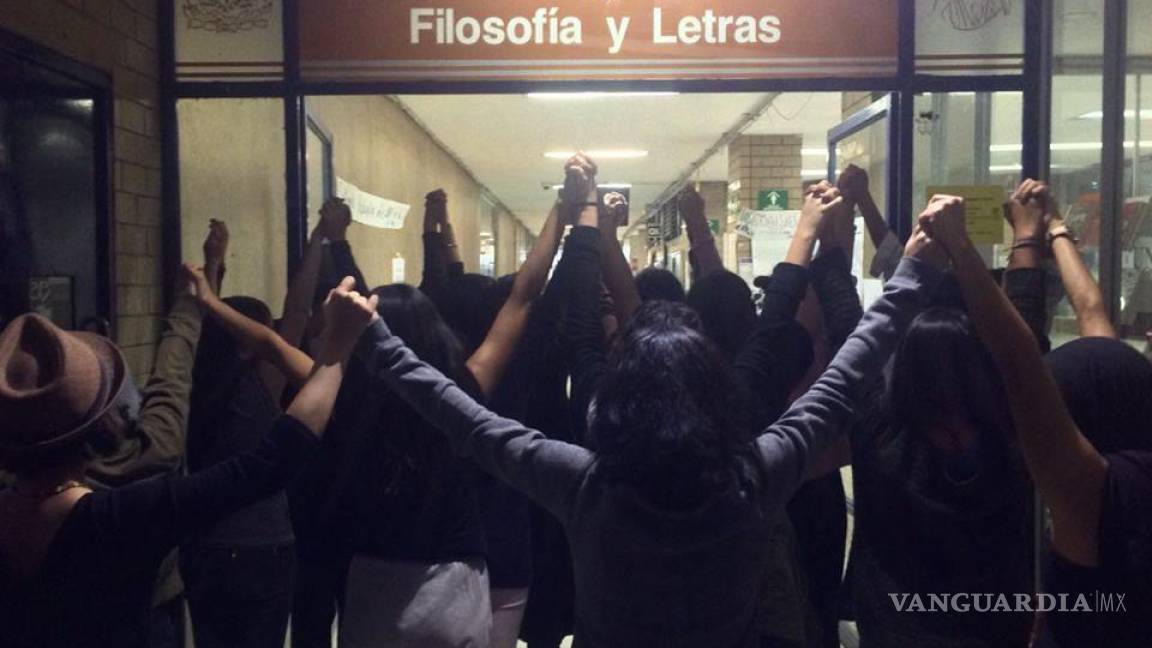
[53,195]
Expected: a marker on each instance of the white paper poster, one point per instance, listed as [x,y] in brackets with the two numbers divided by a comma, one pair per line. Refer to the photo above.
[399,270]
[371,210]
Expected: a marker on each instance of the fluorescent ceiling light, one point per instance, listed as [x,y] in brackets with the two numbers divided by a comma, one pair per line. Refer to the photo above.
[814,173]
[1065,146]
[814,152]
[565,96]
[603,185]
[607,154]
[1098,115]
[1004,168]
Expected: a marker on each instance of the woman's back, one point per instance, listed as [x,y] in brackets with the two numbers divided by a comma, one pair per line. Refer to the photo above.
[93,588]
[664,577]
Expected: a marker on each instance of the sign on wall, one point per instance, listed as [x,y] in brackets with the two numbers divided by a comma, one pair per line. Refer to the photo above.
[983,208]
[770,199]
[441,40]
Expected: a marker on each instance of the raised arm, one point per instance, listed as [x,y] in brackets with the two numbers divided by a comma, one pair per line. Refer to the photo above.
[614,265]
[338,218]
[156,444]
[779,352]
[790,447]
[261,340]
[853,183]
[545,470]
[216,253]
[1083,291]
[152,515]
[346,313]
[490,360]
[1024,279]
[832,280]
[435,252]
[1066,469]
[302,289]
[700,239]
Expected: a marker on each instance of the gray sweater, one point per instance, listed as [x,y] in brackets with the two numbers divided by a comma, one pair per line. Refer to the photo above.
[646,576]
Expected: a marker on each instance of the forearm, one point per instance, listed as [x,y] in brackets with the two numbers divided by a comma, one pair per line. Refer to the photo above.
[163,416]
[298,302]
[533,275]
[1026,250]
[873,220]
[618,276]
[451,250]
[214,271]
[261,340]
[584,331]
[802,246]
[344,265]
[313,404]
[1025,289]
[1083,291]
[435,262]
[836,290]
[703,246]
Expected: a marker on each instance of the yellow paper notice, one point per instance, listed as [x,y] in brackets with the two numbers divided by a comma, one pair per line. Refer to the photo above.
[984,207]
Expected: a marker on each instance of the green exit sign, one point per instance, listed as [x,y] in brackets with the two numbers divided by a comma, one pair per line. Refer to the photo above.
[772,199]
[714,226]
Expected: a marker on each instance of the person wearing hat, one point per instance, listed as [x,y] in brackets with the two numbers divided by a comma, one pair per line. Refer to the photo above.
[77,566]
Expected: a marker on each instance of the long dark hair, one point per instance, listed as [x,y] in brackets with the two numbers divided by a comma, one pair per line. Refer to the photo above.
[724,302]
[404,445]
[221,363]
[664,417]
[942,372]
[412,317]
[658,283]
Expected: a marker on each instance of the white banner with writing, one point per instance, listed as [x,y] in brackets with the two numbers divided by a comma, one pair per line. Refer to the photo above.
[371,210]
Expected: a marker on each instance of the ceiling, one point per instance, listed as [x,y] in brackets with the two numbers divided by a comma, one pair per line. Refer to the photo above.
[503,138]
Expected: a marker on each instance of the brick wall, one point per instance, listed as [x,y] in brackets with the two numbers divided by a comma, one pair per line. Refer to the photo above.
[118,37]
[759,162]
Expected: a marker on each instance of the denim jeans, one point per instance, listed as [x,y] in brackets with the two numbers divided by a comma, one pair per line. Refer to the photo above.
[239,597]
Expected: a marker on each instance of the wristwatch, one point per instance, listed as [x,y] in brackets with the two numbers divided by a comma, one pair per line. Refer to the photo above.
[1059,231]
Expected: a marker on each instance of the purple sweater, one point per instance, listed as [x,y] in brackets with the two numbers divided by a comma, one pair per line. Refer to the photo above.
[647,576]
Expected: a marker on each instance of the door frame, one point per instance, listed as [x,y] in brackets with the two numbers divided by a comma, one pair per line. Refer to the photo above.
[99,87]
[902,88]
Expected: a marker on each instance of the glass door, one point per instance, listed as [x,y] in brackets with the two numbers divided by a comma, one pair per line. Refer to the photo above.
[863,140]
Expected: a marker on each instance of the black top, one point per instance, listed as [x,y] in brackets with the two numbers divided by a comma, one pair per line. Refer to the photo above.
[1125,567]
[95,584]
[400,492]
[919,532]
[233,429]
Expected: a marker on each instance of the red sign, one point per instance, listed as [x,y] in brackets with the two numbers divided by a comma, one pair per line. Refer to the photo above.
[421,40]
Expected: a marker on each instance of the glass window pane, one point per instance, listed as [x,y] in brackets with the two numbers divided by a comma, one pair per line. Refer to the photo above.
[232,169]
[1075,151]
[969,37]
[968,139]
[1136,229]
[229,41]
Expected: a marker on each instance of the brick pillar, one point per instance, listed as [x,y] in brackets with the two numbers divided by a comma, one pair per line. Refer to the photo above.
[118,37]
[755,163]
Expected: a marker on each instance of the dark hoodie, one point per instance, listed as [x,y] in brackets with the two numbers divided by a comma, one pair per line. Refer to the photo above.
[1107,386]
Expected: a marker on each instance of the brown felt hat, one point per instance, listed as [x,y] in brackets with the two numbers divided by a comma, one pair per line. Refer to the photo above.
[53,383]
